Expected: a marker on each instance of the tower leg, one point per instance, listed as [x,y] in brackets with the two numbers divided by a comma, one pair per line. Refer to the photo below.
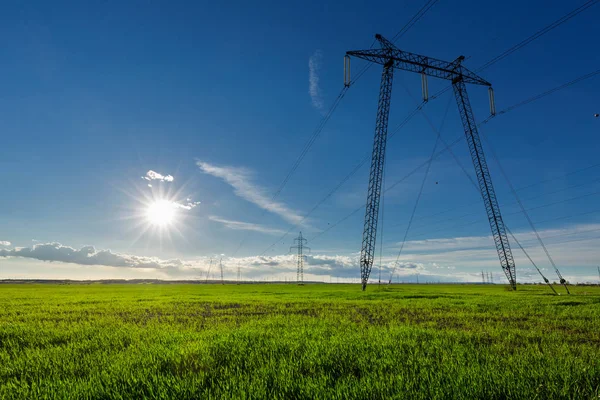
[485,182]
[367,252]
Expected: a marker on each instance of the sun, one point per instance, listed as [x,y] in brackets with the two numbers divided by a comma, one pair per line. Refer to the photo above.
[161,213]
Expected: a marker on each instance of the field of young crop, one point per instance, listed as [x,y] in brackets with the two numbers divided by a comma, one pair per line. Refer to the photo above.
[298,342]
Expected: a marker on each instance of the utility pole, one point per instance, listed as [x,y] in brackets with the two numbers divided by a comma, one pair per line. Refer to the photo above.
[300,246]
[391,57]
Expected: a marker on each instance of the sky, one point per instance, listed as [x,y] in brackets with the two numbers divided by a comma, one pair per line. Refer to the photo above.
[149,140]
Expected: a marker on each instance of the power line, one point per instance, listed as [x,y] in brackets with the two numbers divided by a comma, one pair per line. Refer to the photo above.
[413,20]
[526,214]
[559,176]
[405,177]
[437,140]
[531,260]
[348,177]
[512,203]
[530,100]
[414,210]
[544,94]
[311,141]
[399,34]
[513,213]
[569,216]
[363,161]
[538,34]
[324,120]
[422,11]
[439,153]
[527,41]
[486,65]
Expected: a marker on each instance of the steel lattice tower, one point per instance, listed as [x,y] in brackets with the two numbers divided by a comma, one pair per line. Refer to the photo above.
[391,57]
[300,247]
[221,267]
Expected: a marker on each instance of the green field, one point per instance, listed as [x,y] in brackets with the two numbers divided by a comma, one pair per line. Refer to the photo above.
[285,341]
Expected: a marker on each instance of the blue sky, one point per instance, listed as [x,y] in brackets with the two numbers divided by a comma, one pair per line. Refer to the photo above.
[223,99]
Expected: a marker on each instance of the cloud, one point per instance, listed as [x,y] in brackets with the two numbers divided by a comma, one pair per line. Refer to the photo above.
[155,176]
[246,226]
[460,259]
[572,248]
[187,205]
[314,67]
[4,243]
[88,255]
[241,180]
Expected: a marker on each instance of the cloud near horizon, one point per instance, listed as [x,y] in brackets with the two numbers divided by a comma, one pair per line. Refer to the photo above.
[4,243]
[459,259]
[241,181]
[88,255]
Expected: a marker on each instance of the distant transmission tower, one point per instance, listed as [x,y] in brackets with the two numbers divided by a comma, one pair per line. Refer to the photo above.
[209,268]
[239,274]
[300,246]
[482,277]
[598,275]
[221,266]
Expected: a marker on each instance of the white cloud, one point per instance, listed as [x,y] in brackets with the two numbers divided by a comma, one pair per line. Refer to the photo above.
[187,205]
[241,180]
[246,226]
[314,67]
[155,176]
[4,243]
[460,259]
[575,246]
[88,255]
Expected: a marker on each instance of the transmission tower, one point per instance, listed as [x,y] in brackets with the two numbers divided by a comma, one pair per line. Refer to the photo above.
[300,247]
[209,268]
[482,277]
[391,57]
[221,267]
[239,274]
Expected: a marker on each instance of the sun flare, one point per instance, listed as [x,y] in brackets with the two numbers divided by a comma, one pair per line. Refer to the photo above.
[161,213]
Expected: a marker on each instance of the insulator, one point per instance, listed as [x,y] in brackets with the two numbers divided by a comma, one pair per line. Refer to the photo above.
[492,101]
[347,70]
[424,87]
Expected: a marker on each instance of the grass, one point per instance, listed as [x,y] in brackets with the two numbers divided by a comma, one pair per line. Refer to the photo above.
[283,341]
